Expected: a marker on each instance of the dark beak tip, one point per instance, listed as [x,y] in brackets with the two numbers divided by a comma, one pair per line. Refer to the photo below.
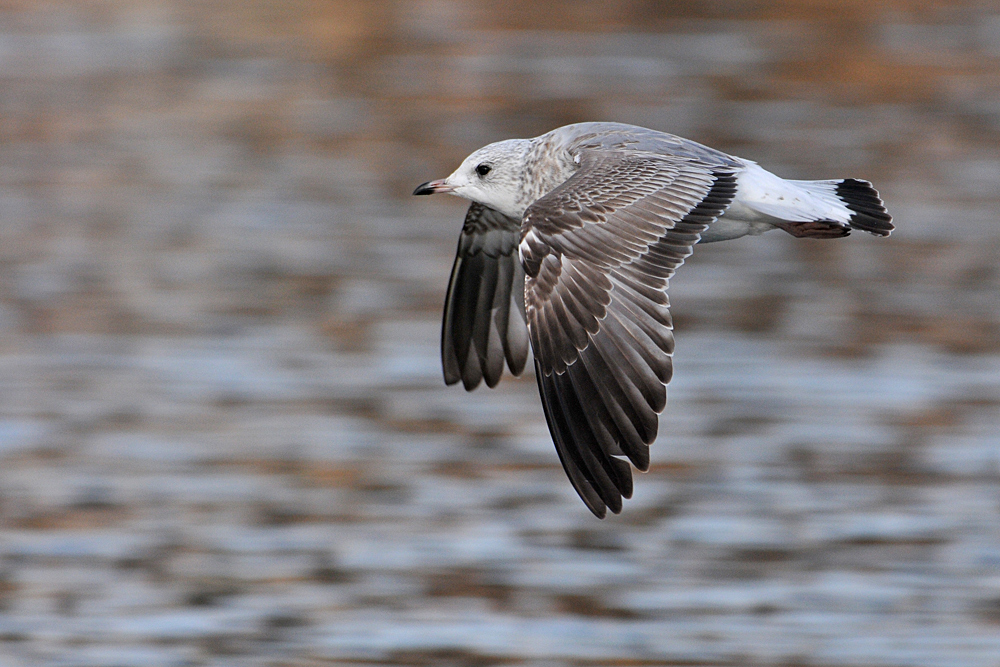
[424,189]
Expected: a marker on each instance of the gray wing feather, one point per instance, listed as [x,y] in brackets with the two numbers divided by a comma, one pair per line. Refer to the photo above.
[484,322]
[622,137]
[598,252]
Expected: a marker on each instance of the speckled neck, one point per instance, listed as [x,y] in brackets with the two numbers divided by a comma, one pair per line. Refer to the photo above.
[547,165]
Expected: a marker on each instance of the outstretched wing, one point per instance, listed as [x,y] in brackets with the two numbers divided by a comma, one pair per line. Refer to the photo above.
[484,310]
[598,251]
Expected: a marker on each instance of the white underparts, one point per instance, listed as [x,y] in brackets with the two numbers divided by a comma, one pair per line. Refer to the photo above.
[763,199]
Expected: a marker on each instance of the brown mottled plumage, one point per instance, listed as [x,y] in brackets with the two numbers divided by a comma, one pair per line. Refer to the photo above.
[600,215]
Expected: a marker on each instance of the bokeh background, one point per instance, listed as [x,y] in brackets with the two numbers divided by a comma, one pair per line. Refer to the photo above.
[224,436]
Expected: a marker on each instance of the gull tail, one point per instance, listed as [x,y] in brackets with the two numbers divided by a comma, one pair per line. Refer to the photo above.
[865,207]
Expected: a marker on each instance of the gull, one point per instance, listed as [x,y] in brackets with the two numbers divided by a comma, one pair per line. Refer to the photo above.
[568,246]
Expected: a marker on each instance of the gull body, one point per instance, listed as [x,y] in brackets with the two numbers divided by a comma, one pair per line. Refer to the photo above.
[568,247]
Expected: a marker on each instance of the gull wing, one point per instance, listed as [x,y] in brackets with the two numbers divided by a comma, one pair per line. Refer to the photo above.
[598,251]
[484,310]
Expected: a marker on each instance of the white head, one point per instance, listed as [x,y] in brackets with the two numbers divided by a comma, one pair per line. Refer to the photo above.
[493,176]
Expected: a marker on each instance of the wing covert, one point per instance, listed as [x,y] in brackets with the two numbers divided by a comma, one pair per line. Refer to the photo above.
[598,252]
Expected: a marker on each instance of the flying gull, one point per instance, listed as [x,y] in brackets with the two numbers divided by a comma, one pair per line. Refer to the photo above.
[568,246]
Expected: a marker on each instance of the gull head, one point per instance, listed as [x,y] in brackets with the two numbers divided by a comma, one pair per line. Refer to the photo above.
[493,176]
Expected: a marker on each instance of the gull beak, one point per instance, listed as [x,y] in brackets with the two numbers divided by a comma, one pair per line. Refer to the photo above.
[431,187]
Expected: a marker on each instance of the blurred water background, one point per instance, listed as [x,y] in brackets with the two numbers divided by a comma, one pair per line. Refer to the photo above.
[224,436]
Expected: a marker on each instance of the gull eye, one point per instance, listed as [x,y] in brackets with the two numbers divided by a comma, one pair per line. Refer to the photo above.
[483,169]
